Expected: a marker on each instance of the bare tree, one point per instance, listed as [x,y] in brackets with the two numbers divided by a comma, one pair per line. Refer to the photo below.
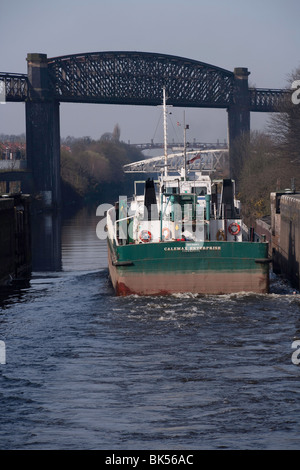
[116,133]
[284,128]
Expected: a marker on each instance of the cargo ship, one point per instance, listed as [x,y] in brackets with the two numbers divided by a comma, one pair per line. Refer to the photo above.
[183,233]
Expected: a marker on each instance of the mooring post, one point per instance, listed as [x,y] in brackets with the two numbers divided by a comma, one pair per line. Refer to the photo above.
[238,114]
[43,131]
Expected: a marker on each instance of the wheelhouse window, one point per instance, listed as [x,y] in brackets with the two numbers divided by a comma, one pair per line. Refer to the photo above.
[172,190]
[199,190]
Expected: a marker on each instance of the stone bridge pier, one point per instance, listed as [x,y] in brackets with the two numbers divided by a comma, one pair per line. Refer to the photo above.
[43,131]
[238,113]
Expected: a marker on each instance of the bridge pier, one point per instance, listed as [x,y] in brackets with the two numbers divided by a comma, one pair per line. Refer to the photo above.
[238,113]
[43,132]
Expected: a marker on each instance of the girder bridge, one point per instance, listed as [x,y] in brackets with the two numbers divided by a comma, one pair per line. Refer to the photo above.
[128,78]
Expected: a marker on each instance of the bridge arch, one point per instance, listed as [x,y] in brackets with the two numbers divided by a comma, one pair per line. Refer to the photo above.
[137,78]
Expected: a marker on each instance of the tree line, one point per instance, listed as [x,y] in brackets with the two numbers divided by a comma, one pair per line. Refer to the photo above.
[92,170]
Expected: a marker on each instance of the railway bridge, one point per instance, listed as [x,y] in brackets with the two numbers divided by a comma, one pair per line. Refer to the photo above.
[129,78]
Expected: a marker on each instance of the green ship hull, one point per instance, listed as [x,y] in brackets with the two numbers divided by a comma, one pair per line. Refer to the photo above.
[210,267]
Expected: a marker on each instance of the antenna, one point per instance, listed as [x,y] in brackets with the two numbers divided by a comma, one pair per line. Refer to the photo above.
[165,131]
[185,127]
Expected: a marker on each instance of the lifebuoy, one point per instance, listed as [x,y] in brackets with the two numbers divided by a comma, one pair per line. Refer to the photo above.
[234,228]
[166,233]
[220,235]
[145,236]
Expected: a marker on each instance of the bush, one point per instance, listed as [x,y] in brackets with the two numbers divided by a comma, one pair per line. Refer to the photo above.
[94,169]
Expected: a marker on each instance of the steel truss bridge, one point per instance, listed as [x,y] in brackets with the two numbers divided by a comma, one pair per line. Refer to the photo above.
[137,78]
[128,78]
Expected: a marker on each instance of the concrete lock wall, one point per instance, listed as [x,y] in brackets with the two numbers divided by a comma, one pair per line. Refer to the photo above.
[285,223]
[15,238]
[7,235]
[290,237]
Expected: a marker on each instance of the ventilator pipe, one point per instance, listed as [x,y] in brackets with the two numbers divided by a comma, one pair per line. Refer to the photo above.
[207,200]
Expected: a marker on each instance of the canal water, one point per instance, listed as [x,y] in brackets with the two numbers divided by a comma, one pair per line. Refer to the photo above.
[87,370]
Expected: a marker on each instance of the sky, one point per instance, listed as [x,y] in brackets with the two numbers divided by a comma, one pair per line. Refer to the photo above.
[262,35]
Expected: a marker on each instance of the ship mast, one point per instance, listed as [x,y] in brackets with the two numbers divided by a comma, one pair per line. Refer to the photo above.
[165,131]
[185,127]
[184,144]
